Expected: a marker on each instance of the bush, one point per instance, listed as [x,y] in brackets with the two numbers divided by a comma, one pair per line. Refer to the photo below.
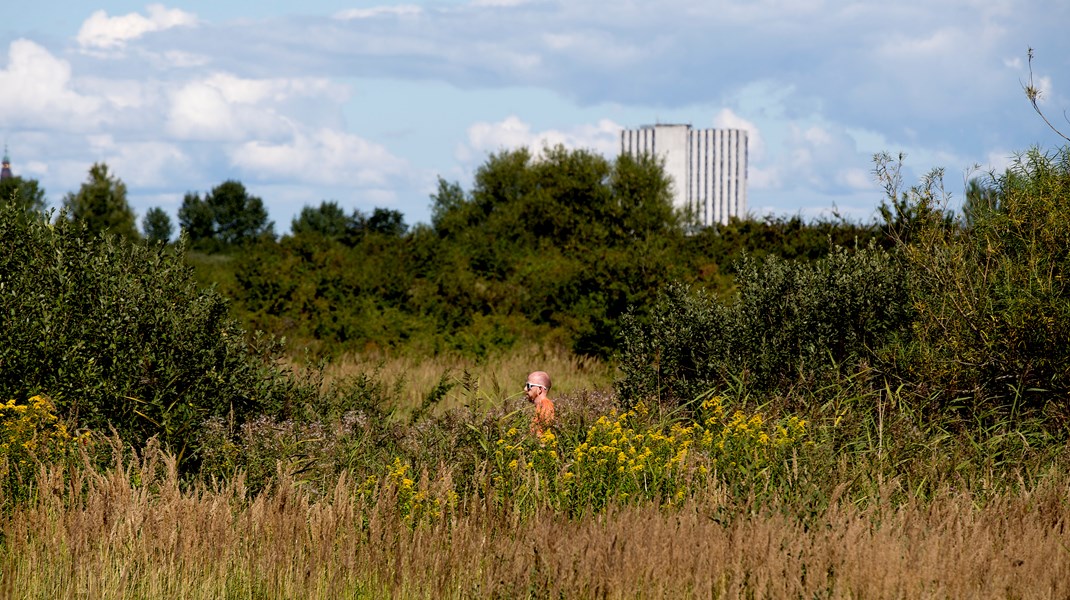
[791,321]
[992,296]
[119,335]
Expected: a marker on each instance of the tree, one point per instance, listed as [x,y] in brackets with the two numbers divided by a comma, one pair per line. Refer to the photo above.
[328,220]
[226,216]
[195,218]
[27,194]
[387,222]
[157,225]
[101,206]
[992,300]
[568,239]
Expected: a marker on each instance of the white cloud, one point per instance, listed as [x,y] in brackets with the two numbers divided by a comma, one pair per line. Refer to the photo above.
[402,10]
[102,32]
[498,3]
[512,133]
[139,164]
[821,156]
[37,91]
[224,107]
[182,59]
[323,157]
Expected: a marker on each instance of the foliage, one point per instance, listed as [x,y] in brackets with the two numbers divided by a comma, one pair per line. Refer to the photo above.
[101,206]
[227,216]
[346,425]
[717,251]
[550,248]
[119,335]
[992,298]
[27,194]
[157,226]
[791,321]
[330,221]
[567,239]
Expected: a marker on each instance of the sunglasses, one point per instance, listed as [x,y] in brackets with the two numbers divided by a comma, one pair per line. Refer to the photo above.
[529,385]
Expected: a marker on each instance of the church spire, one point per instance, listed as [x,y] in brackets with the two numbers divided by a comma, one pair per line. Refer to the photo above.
[5,173]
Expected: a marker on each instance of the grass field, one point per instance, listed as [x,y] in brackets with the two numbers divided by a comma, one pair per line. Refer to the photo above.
[856,497]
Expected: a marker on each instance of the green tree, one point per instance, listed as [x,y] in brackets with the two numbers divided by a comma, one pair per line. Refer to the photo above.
[226,216]
[157,225]
[328,220]
[100,204]
[387,222]
[195,218]
[567,240]
[27,194]
[980,200]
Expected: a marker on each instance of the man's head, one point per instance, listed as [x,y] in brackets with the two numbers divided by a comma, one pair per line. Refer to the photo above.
[538,384]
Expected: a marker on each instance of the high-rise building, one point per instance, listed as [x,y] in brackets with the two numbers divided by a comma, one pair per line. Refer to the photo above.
[708,167]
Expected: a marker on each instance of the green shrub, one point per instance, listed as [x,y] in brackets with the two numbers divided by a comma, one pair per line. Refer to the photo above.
[992,296]
[790,321]
[119,335]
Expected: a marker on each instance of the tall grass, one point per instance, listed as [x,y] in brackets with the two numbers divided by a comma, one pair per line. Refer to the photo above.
[832,492]
[466,382]
[135,531]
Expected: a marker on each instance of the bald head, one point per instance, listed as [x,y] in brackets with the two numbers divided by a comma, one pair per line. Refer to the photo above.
[540,378]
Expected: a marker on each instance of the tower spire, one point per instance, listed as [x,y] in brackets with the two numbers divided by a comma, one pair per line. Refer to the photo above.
[5,173]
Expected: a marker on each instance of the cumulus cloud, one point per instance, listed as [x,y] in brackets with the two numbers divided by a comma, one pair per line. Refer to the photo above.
[823,157]
[512,133]
[224,107]
[141,164]
[322,157]
[101,32]
[727,119]
[38,91]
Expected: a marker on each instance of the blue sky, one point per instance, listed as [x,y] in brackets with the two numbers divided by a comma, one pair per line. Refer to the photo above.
[367,104]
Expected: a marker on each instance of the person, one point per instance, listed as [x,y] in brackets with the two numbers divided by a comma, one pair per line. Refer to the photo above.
[537,389]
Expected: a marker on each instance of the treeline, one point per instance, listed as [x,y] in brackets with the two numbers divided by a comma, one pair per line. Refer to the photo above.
[552,248]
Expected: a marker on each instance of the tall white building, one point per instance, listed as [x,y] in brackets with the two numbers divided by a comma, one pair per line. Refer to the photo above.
[708,167]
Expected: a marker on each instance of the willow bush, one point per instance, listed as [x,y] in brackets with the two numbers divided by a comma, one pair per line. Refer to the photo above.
[790,321]
[992,330]
[119,335]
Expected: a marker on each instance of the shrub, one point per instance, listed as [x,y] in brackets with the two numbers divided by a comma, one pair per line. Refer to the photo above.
[119,335]
[790,321]
[992,296]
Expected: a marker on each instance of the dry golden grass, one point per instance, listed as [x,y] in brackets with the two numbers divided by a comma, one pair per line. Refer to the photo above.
[94,535]
[475,384]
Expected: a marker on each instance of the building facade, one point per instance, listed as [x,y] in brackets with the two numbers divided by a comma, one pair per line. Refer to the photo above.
[708,167]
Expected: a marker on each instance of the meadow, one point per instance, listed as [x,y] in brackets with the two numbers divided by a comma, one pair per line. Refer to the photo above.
[740,499]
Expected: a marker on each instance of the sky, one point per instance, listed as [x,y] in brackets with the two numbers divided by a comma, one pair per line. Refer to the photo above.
[368,104]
